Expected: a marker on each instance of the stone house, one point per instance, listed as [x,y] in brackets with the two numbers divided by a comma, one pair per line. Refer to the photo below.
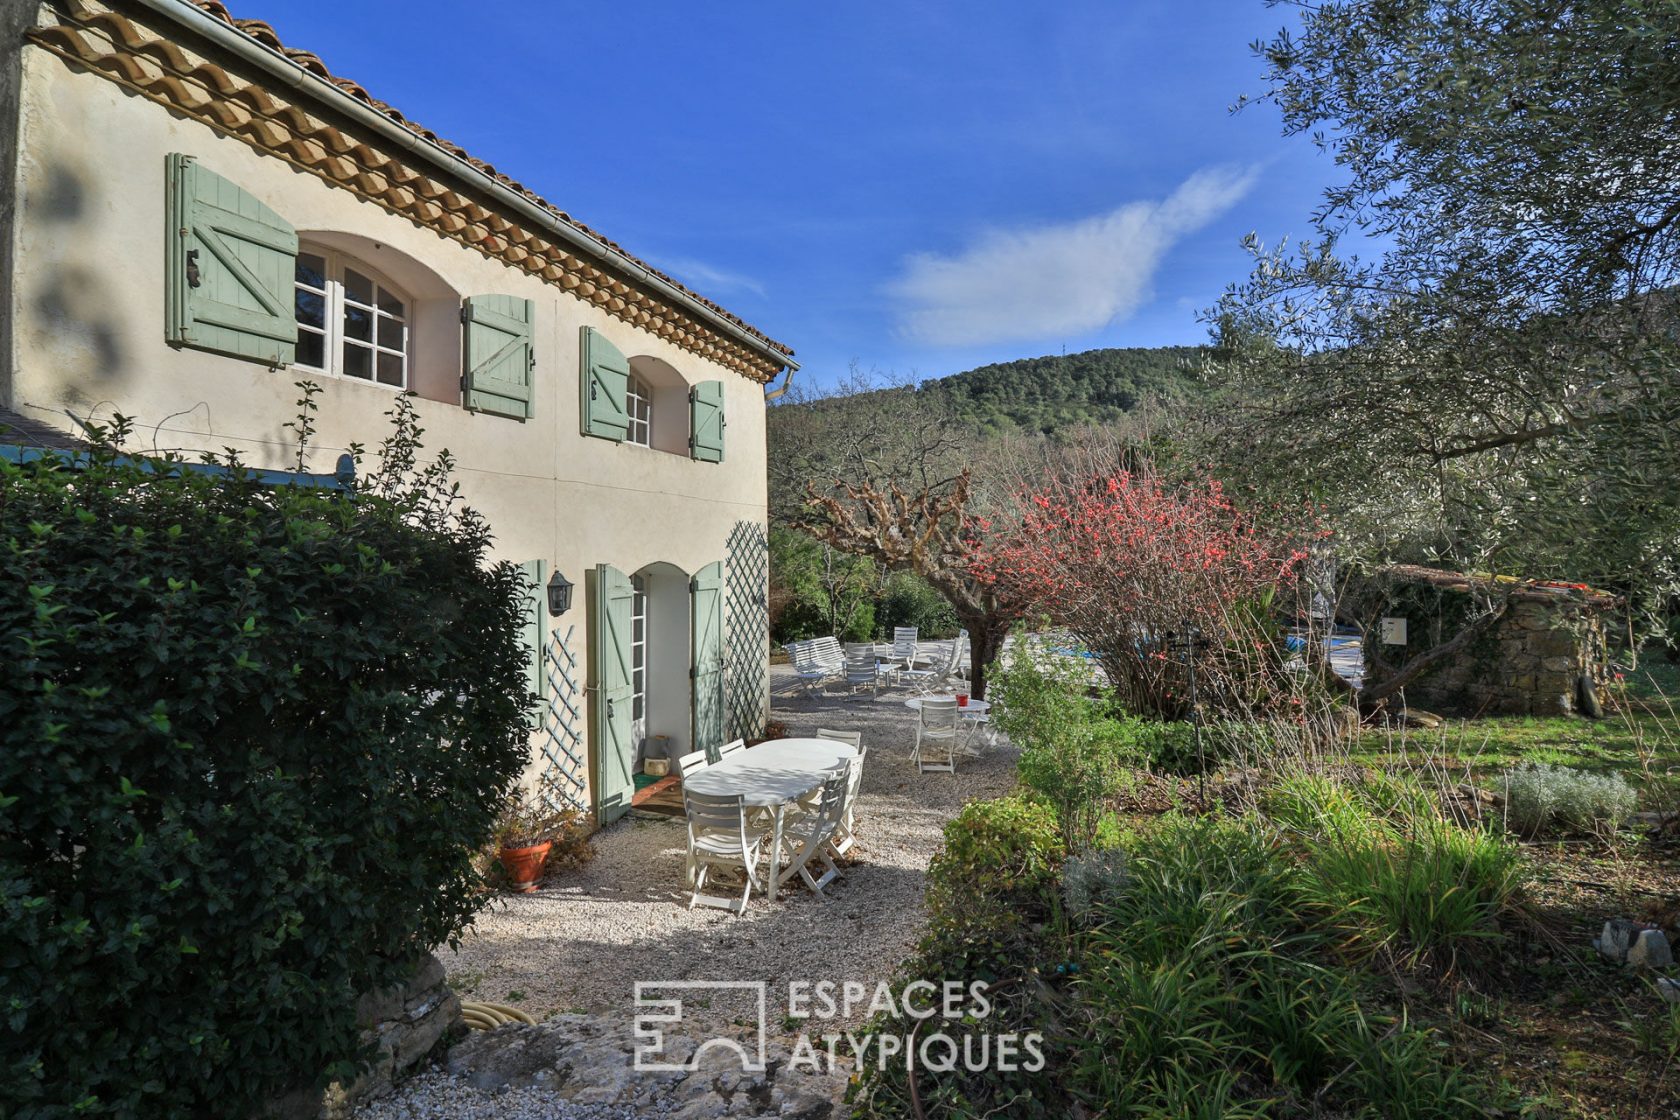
[195,217]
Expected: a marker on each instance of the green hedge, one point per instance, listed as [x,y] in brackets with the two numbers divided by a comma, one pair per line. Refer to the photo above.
[249,738]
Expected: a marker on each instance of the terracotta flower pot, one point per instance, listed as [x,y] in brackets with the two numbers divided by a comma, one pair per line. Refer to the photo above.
[525,865]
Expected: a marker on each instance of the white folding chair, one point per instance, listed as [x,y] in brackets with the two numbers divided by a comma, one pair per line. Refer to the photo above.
[941,673]
[811,833]
[906,650]
[861,667]
[938,724]
[693,763]
[730,748]
[719,836]
[846,835]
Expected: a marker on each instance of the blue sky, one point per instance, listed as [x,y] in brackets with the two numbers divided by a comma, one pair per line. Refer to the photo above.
[917,187]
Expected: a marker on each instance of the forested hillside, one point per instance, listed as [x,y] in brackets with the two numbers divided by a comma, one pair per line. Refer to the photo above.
[1032,394]
[864,432]
[1057,390]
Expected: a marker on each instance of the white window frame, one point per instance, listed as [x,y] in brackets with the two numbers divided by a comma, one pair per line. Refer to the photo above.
[334,299]
[638,406]
[638,648]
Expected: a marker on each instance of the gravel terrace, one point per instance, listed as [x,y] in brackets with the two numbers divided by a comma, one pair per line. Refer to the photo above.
[580,944]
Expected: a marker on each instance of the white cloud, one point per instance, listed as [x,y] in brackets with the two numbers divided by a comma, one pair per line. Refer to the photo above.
[702,277]
[1053,281]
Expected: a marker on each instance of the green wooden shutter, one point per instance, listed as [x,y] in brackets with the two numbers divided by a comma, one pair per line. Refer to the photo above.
[231,263]
[706,631]
[501,356]
[609,664]
[604,381]
[706,421]
[536,631]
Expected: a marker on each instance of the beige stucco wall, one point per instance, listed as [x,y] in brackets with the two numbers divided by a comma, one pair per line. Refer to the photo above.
[88,314]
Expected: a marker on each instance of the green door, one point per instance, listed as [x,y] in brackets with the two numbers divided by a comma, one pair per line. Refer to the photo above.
[706,601]
[609,662]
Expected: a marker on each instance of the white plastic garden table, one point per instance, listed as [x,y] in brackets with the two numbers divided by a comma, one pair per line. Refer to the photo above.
[978,707]
[773,776]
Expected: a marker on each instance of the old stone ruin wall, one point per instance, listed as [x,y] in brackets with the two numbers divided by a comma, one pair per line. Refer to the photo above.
[1546,656]
[1541,659]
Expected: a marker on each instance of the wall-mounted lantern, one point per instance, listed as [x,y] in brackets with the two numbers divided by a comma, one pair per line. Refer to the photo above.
[559,594]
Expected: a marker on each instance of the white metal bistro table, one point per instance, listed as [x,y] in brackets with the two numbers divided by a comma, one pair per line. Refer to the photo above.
[978,707]
[772,776]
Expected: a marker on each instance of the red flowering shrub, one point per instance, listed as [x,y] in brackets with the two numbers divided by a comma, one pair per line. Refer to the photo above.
[1125,559]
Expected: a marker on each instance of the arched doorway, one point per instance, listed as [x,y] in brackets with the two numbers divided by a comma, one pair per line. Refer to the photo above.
[659,663]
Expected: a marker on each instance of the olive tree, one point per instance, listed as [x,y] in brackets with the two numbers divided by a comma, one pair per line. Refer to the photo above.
[1496,386]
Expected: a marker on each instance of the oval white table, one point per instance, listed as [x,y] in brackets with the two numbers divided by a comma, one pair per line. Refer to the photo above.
[772,776]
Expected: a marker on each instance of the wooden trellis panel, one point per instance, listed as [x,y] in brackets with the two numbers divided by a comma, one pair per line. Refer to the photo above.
[746,629]
[564,781]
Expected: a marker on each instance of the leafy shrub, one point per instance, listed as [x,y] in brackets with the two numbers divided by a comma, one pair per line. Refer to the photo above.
[816,590]
[250,740]
[1069,754]
[1543,799]
[991,895]
[1000,858]
[909,600]
[1170,747]
[1092,881]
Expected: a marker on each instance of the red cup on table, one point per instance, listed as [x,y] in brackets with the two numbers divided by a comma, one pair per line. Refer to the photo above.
[962,699]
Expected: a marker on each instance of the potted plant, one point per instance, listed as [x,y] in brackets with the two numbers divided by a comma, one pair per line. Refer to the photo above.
[524,835]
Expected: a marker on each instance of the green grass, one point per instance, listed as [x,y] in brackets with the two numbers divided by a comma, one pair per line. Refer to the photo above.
[1631,743]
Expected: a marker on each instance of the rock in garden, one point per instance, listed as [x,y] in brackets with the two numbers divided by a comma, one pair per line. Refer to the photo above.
[1417,717]
[1617,938]
[1650,950]
[587,1062]
[1669,989]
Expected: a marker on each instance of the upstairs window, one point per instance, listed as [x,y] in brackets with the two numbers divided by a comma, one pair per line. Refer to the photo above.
[638,406]
[351,322]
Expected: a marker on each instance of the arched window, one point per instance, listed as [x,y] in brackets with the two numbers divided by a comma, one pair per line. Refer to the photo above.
[658,405]
[352,322]
[638,402]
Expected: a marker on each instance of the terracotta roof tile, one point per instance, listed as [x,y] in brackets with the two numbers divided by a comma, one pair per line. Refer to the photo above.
[1529,590]
[264,34]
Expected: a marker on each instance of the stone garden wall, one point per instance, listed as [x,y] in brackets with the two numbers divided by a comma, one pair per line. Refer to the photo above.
[1546,656]
[405,1023]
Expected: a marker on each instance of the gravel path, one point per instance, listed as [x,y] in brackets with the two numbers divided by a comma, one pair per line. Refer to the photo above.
[579,945]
